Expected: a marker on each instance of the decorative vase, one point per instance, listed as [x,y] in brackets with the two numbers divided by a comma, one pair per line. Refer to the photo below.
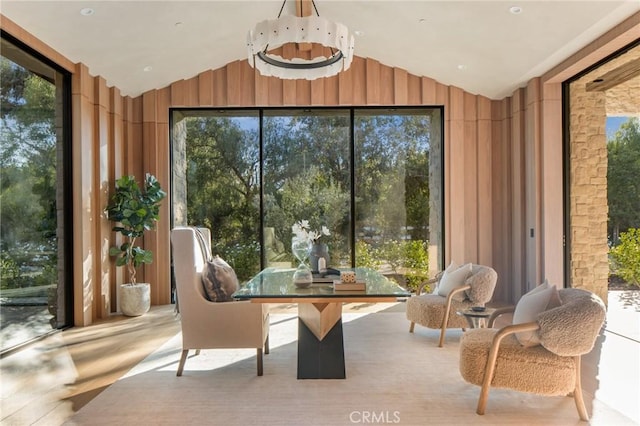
[135,299]
[319,251]
[302,277]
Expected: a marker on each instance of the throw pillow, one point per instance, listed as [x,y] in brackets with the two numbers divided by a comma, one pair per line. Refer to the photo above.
[452,267]
[543,297]
[453,279]
[219,280]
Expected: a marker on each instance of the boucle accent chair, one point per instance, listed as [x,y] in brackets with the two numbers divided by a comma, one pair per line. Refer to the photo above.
[438,312]
[495,357]
[212,325]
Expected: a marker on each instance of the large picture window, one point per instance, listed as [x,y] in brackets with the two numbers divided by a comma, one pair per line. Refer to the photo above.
[34,253]
[366,174]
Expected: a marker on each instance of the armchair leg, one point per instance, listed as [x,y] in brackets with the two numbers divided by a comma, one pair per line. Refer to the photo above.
[412,326]
[266,346]
[442,331]
[183,358]
[259,356]
[577,393]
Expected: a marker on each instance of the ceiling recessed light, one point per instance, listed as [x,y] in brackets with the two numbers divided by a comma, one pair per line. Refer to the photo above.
[178,24]
[359,33]
[87,11]
[422,20]
[147,68]
[461,67]
[516,10]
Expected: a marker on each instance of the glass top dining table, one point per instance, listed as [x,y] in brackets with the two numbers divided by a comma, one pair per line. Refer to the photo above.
[276,285]
[320,334]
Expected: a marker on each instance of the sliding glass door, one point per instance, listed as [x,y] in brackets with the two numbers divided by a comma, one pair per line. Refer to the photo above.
[34,251]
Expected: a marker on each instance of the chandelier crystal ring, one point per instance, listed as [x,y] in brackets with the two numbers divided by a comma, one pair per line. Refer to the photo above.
[271,34]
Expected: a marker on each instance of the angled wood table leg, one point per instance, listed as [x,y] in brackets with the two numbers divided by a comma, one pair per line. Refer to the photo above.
[320,341]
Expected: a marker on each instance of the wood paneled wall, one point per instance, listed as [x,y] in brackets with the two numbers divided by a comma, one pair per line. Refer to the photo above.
[477,143]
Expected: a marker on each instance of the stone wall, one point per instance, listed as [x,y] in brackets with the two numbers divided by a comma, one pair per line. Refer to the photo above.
[589,263]
[588,189]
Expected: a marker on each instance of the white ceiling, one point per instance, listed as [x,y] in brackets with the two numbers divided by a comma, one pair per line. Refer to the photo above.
[475,45]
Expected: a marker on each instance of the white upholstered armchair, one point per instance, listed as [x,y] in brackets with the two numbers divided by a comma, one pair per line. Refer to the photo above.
[212,325]
[437,310]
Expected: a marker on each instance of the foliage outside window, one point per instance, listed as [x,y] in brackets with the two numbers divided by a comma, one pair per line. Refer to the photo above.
[31,188]
[251,176]
[623,186]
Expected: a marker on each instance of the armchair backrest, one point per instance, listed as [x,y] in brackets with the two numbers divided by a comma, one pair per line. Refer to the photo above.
[483,282]
[572,328]
[188,261]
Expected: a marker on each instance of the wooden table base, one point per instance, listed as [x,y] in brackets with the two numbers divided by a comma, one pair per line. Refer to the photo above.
[320,341]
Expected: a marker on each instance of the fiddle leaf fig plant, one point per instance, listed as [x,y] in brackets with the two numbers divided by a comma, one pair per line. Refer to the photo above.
[134,210]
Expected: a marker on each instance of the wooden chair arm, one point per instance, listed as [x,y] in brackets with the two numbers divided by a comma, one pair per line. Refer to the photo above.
[499,311]
[424,284]
[447,310]
[493,356]
[454,292]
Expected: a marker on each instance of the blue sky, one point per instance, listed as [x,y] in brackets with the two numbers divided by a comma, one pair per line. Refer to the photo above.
[613,124]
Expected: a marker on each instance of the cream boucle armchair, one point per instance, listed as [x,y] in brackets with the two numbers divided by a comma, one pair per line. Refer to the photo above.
[492,357]
[212,325]
[438,312]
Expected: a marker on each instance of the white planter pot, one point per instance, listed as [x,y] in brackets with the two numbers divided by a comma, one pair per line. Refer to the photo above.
[135,300]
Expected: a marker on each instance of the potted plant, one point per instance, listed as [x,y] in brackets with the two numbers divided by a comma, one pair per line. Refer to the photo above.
[134,211]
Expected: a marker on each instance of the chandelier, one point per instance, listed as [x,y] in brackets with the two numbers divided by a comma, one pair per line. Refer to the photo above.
[269,35]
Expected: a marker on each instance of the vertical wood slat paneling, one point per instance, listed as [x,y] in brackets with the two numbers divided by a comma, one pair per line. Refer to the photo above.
[532,183]
[149,165]
[116,164]
[102,137]
[234,80]
[262,89]
[345,87]
[552,220]
[205,88]
[191,98]
[386,85]
[162,247]
[82,183]
[414,90]
[498,201]
[428,91]
[331,90]
[372,72]
[455,161]
[359,70]
[400,88]
[317,91]
[178,93]
[288,93]
[219,88]
[303,92]
[518,224]
[470,159]
[484,171]
[247,84]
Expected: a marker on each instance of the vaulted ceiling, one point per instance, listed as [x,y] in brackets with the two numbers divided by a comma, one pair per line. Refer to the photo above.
[480,46]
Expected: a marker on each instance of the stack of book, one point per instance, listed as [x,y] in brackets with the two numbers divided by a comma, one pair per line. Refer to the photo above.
[339,285]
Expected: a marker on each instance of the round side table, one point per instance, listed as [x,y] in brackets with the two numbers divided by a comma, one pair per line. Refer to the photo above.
[476,319]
